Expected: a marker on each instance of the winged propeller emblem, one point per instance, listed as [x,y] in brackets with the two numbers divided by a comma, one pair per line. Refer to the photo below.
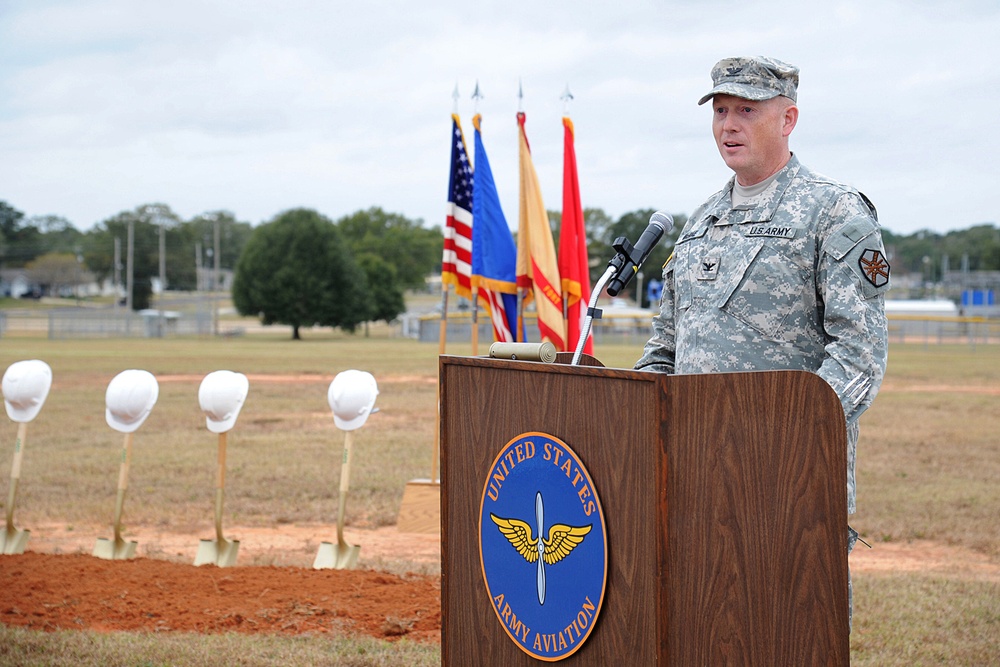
[561,541]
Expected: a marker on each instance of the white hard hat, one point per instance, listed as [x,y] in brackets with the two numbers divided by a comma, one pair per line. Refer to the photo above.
[26,385]
[130,397]
[351,397]
[221,397]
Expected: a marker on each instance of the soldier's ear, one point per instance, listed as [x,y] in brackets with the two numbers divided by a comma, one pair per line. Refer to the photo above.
[790,118]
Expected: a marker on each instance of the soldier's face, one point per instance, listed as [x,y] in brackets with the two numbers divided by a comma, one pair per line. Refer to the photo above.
[752,137]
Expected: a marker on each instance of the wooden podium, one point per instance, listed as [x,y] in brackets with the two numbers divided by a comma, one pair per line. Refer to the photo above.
[724,498]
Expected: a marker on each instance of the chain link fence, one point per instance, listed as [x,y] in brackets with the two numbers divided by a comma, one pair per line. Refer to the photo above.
[71,323]
[613,328]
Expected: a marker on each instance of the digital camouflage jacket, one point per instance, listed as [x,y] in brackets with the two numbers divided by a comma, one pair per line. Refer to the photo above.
[794,279]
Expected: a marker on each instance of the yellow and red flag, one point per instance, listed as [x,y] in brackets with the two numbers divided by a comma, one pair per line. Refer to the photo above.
[573,260]
[537,269]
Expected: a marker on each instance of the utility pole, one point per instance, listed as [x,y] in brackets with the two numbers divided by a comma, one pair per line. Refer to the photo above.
[163,275]
[129,276]
[197,266]
[118,272]
[217,256]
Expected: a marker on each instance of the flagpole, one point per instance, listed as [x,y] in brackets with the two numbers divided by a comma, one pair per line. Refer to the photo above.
[443,330]
[520,316]
[566,97]
[537,263]
[475,321]
[442,339]
[520,290]
[476,96]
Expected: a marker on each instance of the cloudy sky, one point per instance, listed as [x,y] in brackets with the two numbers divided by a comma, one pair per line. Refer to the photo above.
[256,107]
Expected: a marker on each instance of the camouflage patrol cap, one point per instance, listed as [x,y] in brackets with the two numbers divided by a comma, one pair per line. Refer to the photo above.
[753,78]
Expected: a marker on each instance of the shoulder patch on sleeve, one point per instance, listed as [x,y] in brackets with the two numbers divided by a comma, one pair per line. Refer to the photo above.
[874,267]
[858,247]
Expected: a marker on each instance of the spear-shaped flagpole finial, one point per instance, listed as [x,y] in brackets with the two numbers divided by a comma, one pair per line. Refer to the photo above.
[566,97]
[476,96]
[454,96]
[520,96]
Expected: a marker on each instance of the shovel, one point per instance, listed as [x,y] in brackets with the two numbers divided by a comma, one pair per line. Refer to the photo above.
[118,549]
[219,551]
[13,540]
[25,386]
[340,556]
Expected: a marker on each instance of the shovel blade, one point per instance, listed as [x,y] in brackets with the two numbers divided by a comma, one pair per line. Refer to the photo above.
[213,552]
[13,541]
[336,556]
[114,549]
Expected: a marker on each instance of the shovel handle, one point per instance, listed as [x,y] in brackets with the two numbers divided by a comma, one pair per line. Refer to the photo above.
[11,497]
[15,473]
[126,461]
[345,485]
[15,468]
[119,507]
[220,476]
[220,485]
[345,467]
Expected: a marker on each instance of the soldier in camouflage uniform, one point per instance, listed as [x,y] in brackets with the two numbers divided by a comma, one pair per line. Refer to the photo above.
[781,269]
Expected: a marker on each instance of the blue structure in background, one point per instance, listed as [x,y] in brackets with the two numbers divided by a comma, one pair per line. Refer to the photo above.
[977,297]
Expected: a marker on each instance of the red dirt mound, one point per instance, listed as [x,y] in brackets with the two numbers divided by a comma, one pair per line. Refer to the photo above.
[46,591]
[49,592]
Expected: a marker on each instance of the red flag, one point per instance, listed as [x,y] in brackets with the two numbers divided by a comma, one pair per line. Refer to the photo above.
[537,269]
[574,266]
[456,260]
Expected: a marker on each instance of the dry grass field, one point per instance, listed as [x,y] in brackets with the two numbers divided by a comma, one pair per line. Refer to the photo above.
[928,484]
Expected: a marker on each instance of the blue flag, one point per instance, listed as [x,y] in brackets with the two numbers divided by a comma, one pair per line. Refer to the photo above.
[494,255]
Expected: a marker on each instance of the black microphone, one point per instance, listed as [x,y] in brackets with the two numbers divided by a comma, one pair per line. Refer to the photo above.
[629,258]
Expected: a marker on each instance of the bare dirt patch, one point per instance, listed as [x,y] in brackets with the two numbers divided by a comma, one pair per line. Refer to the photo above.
[47,592]
[927,557]
[281,545]
[58,585]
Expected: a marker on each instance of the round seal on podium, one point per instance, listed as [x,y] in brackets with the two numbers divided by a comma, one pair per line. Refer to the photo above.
[543,546]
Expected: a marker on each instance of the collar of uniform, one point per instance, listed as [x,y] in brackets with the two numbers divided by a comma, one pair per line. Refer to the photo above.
[724,212]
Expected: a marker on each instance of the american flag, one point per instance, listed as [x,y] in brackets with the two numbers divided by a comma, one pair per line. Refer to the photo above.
[456,261]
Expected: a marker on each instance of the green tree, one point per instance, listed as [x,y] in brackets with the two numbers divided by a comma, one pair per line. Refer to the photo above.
[386,302]
[631,225]
[979,246]
[10,219]
[297,270]
[19,242]
[596,224]
[57,234]
[413,250]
